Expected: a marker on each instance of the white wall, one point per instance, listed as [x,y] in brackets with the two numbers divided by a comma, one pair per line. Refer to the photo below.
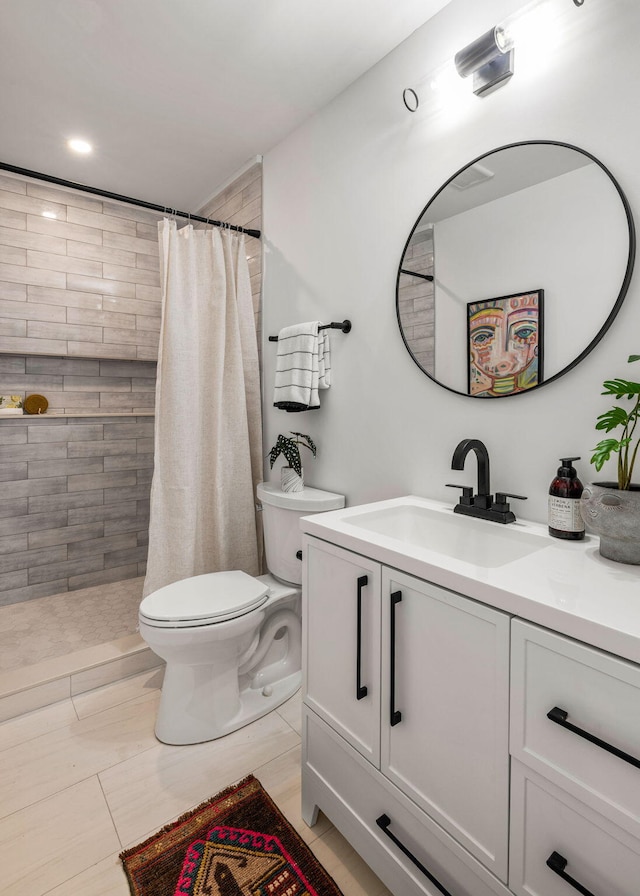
[340,197]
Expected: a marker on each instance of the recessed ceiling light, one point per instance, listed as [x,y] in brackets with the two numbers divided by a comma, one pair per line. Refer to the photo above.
[78,145]
[48,214]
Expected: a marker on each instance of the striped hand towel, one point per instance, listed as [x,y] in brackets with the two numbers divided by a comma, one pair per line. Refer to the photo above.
[303,367]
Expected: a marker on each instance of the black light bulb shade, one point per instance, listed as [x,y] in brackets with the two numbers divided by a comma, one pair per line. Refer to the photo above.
[480,52]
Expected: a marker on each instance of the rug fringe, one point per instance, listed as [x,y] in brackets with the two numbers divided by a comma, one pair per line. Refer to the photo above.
[187,815]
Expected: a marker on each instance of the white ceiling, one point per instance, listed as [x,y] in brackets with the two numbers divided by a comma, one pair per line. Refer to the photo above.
[178,95]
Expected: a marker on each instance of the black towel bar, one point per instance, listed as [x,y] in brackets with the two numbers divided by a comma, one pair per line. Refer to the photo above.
[345,326]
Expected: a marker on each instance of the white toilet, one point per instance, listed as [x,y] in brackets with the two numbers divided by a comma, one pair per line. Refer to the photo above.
[231,642]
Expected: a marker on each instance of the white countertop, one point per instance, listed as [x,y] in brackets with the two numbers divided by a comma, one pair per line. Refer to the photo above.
[565,586]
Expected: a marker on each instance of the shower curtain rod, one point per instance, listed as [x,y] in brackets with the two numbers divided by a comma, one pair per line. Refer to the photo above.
[49,178]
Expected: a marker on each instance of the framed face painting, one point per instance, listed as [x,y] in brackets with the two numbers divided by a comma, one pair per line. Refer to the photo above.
[505,340]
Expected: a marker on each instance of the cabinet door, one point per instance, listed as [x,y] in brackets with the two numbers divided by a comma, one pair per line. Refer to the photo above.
[560,847]
[341,643]
[445,698]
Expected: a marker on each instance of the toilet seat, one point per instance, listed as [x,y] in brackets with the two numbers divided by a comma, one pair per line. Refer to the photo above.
[204,600]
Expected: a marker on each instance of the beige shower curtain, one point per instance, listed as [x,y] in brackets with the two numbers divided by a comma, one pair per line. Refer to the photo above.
[208,431]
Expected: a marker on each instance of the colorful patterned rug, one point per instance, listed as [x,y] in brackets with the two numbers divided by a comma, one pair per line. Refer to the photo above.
[236,844]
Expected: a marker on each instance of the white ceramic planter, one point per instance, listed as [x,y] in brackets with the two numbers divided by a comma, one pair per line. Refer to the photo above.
[290,481]
[11,412]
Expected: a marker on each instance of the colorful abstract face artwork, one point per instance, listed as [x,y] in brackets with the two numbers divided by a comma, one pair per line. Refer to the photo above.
[505,344]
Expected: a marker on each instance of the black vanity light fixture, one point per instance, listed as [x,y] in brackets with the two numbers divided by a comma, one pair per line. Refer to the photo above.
[489,59]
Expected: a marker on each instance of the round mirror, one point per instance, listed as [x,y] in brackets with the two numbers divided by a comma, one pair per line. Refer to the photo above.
[515,269]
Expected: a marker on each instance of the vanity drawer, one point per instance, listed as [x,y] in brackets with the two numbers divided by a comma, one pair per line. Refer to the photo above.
[549,824]
[356,798]
[600,695]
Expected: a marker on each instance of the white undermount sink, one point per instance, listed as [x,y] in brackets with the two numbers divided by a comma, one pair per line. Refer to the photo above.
[463,538]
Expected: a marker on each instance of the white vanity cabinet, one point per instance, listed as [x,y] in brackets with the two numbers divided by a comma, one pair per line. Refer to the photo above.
[497,747]
[432,725]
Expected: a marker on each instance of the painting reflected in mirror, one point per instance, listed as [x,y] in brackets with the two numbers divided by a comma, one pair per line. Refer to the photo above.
[505,344]
[522,222]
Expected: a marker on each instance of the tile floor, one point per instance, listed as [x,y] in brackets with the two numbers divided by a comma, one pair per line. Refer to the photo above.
[48,627]
[84,778]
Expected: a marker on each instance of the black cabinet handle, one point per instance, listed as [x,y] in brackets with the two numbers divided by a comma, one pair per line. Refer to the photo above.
[361,690]
[395,714]
[559,716]
[383,822]
[558,863]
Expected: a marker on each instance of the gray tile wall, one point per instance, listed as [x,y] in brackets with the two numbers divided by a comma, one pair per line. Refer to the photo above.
[416,301]
[75,506]
[84,283]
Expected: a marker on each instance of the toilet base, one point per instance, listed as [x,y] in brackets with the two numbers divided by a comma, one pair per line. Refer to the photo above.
[178,725]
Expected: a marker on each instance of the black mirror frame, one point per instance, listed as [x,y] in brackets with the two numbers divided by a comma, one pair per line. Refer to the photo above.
[616,307]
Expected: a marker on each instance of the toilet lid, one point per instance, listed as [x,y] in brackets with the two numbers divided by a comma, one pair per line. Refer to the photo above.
[201,600]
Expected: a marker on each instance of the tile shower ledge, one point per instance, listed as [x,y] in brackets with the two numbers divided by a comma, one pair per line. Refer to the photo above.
[32,687]
[32,417]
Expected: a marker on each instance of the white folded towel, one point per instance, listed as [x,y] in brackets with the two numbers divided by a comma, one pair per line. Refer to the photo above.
[303,367]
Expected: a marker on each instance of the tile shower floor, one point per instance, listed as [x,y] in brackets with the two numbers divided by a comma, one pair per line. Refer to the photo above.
[54,626]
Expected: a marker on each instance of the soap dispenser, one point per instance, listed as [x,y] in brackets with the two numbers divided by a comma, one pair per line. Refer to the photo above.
[565,491]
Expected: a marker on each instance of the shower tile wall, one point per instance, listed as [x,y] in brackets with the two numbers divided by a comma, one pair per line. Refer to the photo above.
[75,506]
[416,300]
[84,283]
[79,324]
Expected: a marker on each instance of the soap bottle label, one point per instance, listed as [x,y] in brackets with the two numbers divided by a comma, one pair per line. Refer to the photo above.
[564,514]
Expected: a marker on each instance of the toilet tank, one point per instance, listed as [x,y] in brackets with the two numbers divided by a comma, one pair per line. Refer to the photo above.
[281,512]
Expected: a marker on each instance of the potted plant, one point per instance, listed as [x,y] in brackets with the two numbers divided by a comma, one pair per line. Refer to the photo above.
[11,406]
[291,475]
[612,509]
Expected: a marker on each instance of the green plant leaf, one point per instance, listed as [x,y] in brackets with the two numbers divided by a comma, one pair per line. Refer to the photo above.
[288,448]
[292,456]
[273,455]
[620,388]
[602,452]
[634,358]
[612,418]
[306,441]
[604,449]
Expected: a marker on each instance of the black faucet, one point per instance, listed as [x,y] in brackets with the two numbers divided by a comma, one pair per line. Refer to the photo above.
[481,504]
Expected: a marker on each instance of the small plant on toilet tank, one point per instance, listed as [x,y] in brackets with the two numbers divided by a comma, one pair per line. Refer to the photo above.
[291,475]
[612,509]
